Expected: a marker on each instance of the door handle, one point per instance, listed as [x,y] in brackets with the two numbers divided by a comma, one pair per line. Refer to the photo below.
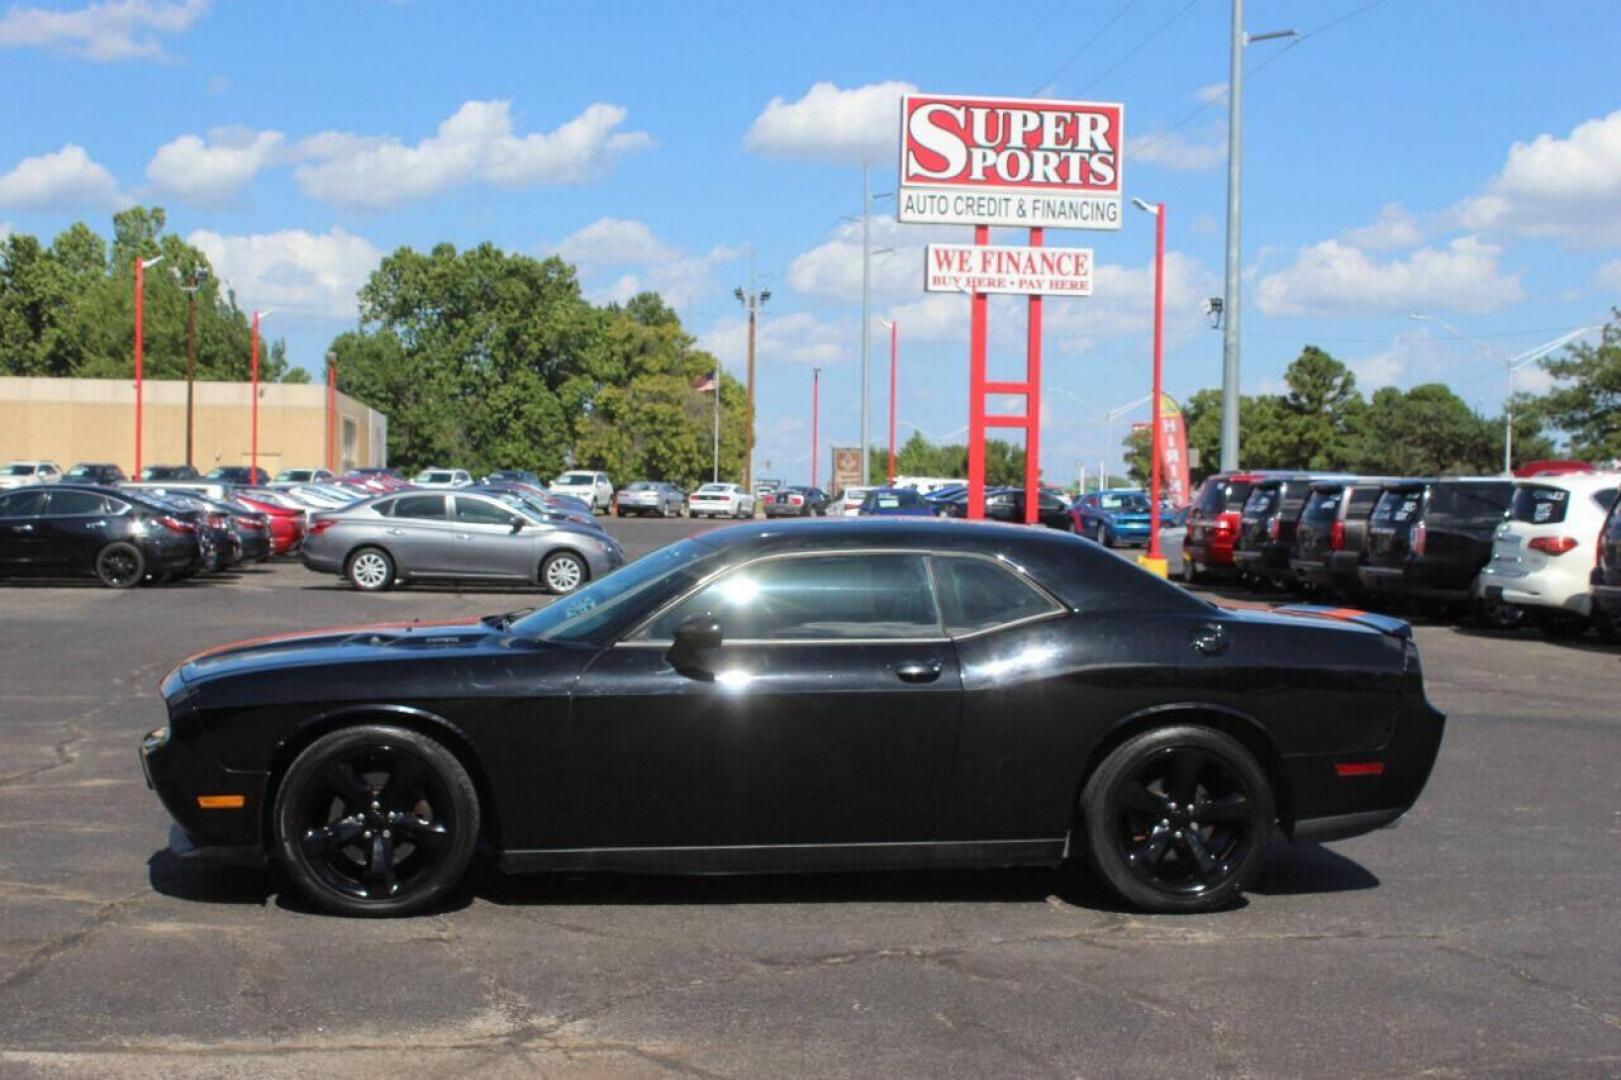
[463,536]
[25,528]
[918,671]
[1208,638]
[395,532]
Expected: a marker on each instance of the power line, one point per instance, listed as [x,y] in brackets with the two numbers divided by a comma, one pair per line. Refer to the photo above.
[1140,46]
[1087,44]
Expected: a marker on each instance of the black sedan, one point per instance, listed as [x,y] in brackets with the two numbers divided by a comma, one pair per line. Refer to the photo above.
[808,696]
[71,530]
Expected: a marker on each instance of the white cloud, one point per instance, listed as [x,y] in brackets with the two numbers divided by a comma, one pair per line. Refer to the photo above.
[678,276]
[1608,276]
[830,124]
[799,337]
[1393,230]
[475,145]
[65,179]
[208,172]
[832,269]
[299,273]
[1209,95]
[1564,188]
[1172,151]
[5,229]
[1333,278]
[115,30]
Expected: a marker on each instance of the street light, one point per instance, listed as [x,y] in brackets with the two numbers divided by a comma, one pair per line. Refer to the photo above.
[894,337]
[253,460]
[1511,364]
[1154,561]
[198,276]
[1230,290]
[816,419]
[141,267]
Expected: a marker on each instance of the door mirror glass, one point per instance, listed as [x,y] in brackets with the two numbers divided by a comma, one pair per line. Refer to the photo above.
[692,653]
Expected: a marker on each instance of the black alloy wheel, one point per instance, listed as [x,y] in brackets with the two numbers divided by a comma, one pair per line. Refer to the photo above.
[376,820]
[120,565]
[1177,819]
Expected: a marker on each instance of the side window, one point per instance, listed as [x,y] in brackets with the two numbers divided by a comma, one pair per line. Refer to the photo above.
[69,503]
[384,508]
[479,512]
[977,595]
[117,507]
[420,506]
[22,504]
[821,597]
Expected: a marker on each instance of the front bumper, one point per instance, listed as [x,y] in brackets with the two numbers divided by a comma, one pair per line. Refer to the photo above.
[184,782]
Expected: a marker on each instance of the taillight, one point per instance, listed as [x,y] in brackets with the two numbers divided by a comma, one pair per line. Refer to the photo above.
[216,521]
[176,525]
[1552,545]
[320,525]
[1273,527]
[1223,525]
[1420,536]
[1336,536]
[796,500]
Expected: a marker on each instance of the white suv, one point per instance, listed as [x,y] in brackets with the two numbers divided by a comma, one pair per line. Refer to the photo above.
[592,488]
[1543,553]
[16,474]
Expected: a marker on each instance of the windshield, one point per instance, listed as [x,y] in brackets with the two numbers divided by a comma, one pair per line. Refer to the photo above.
[296,476]
[724,489]
[1114,500]
[19,470]
[640,485]
[652,578]
[576,479]
[434,478]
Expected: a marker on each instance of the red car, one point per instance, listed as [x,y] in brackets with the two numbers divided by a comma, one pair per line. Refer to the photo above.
[286,523]
[1213,522]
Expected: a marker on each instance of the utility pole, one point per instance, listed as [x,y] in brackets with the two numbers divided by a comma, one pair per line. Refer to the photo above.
[866,311]
[751,302]
[714,474]
[1230,292]
[197,277]
[816,411]
[894,332]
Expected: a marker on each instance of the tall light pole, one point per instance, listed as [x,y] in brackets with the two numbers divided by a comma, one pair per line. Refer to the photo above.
[1154,561]
[866,310]
[141,267]
[751,302]
[894,350]
[816,417]
[1230,292]
[332,412]
[1511,364]
[253,460]
[198,276]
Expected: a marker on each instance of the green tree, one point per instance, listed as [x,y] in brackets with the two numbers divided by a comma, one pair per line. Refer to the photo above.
[1585,403]
[1426,430]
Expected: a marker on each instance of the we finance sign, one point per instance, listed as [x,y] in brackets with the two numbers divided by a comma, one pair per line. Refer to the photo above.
[971,268]
[1010,162]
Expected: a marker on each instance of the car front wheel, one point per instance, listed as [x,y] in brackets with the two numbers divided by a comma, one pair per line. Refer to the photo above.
[1177,819]
[563,572]
[376,820]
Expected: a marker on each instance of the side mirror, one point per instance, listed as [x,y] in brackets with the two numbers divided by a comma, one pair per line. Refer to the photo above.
[692,651]
[517,524]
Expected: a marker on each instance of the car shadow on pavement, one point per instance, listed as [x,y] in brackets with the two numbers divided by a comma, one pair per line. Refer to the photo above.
[1292,870]
[1589,643]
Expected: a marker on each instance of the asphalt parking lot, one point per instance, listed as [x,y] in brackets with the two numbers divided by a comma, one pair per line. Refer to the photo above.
[1482,937]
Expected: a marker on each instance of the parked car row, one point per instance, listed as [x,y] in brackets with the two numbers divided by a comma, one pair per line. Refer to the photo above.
[1507,549]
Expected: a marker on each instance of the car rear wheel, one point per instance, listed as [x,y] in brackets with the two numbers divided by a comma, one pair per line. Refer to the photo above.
[1106,536]
[563,572]
[370,570]
[376,820]
[1177,819]
[120,565]
[1190,571]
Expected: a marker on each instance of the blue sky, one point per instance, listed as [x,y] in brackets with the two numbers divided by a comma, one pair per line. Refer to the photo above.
[1457,157]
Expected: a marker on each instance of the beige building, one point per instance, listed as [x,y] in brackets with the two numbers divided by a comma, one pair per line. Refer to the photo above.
[93,420]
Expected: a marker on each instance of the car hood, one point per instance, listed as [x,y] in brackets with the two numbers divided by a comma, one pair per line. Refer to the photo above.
[346,643]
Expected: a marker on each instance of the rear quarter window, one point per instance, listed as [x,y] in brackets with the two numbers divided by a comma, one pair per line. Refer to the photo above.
[1237,493]
[1322,505]
[1260,501]
[1539,504]
[1470,502]
[1212,496]
[1398,507]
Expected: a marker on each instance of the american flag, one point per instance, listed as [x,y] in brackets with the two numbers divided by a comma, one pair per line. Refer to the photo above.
[705,383]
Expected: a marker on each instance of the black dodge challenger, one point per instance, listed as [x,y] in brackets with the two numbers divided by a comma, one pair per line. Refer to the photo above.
[825,695]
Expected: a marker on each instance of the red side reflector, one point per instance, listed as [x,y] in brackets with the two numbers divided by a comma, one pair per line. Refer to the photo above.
[1345,769]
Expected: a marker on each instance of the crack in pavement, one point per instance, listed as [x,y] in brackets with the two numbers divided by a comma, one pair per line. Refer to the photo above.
[1574,997]
[37,960]
[66,751]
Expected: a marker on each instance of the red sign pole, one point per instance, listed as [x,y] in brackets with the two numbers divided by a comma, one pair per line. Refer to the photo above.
[1157,450]
[976,394]
[1032,405]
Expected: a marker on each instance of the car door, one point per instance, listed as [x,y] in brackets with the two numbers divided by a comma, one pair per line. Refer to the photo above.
[420,534]
[485,544]
[20,534]
[829,717]
[72,530]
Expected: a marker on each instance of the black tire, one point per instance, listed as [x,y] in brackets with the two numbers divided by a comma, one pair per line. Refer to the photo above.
[120,565]
[369,569]
[342,802]
[1497,614]
[1141,810]
[563,572]
[1190,571]
[1106,536]
[619,512]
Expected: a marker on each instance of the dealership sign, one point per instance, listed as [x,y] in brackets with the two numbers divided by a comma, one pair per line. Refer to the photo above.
[1029,163]
[972,268]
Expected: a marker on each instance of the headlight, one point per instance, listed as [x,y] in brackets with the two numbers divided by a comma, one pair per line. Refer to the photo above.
[155,739]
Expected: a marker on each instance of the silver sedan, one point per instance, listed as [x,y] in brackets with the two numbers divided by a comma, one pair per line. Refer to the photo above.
[461,536]
[649,497]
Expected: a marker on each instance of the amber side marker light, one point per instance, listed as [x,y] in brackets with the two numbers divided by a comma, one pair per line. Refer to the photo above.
[1359,768]
[222,802]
